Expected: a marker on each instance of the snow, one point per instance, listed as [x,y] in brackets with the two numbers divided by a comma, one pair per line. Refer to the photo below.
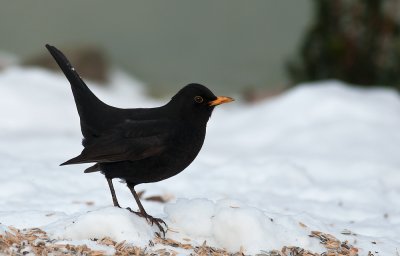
[322,156]
[3,229]
[231,224]
[116,223]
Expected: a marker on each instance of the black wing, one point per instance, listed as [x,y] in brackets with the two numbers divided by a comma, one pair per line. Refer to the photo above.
[129,141]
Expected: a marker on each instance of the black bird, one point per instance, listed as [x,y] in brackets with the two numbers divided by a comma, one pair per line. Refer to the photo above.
[139,145]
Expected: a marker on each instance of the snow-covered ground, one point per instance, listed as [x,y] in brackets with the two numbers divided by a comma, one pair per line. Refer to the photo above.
[322,156]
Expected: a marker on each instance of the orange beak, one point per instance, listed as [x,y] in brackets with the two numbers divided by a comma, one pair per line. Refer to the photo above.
[220,100]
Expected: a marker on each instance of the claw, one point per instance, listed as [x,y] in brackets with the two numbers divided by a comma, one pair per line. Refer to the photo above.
[151,220]
[158,222]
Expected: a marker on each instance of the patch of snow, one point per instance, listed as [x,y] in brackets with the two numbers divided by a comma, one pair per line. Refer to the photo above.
[3,229]
[232,225]
[118,224]
[323,154]
[24,219]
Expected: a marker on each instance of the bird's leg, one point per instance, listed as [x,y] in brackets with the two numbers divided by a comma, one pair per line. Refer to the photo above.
[143,213]
[137,199]
[114,197]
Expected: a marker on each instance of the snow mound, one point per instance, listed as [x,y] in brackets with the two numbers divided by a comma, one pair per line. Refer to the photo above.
[118,224]
[234,226]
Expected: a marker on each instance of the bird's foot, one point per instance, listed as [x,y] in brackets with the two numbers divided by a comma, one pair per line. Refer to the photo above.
[151,220]
[159,222]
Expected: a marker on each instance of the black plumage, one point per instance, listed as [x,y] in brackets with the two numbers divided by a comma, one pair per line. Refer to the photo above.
[139,145]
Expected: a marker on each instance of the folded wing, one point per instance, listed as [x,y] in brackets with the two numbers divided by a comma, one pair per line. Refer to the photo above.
[130,141]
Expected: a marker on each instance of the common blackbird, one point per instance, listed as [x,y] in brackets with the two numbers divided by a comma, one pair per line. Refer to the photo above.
[139,145]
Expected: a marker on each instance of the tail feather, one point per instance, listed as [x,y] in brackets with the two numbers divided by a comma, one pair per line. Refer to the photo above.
[93,168]
[79,88]
[77,160]
[88,105]
[70,161]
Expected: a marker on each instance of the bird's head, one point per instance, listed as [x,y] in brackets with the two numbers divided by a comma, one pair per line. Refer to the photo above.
[195,103]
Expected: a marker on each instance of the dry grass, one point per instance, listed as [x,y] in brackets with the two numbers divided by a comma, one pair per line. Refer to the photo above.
[35,241]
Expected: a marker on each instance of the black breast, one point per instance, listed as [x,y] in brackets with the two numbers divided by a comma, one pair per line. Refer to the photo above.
[182,149]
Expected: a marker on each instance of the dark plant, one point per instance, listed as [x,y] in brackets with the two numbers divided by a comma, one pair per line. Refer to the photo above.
[356,41]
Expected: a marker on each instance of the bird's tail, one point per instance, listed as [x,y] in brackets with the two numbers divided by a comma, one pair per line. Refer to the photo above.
[87,103]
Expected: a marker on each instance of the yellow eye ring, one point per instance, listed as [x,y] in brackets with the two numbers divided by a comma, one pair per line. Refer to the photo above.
[198,99]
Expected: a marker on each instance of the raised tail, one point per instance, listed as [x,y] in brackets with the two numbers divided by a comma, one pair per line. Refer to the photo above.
[88,105]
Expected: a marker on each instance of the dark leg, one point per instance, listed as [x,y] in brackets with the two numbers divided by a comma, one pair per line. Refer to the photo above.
[144,214]
[135,195]
[114,197]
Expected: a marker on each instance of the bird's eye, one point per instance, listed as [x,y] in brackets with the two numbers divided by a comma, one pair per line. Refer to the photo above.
[198,99]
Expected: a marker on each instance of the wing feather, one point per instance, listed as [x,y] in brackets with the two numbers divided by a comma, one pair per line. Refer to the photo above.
[129,141]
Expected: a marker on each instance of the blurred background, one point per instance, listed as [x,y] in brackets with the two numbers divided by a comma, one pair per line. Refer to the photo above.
[255,48]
